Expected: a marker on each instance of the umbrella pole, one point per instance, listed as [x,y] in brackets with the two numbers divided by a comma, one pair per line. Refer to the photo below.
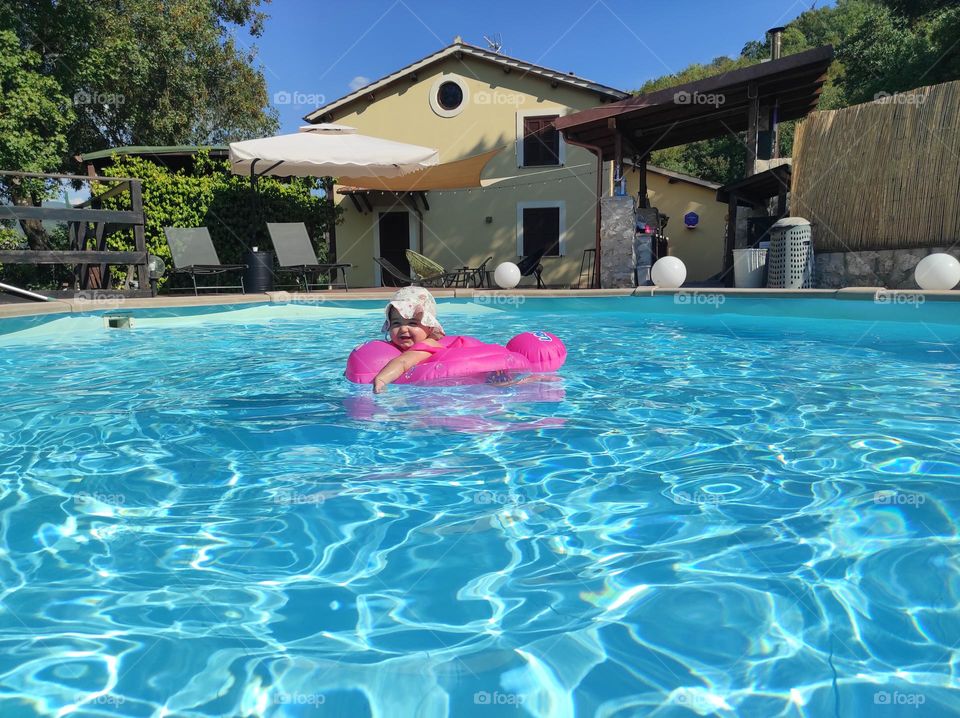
[332,241]
[256,203]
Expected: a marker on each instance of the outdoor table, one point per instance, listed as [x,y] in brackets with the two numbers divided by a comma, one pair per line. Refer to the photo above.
[468,274]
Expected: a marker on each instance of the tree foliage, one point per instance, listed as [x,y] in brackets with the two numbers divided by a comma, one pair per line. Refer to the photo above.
[35,117]
[34,112]
[899,46]
[882,46]
[151,72]
[209,195]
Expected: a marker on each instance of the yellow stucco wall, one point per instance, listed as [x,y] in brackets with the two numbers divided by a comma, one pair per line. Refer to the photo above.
[455,231]
[701,248]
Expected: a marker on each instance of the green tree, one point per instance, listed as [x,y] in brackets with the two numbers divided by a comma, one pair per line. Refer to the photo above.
[35,116]
[34,112]
[148,71]
[897,46]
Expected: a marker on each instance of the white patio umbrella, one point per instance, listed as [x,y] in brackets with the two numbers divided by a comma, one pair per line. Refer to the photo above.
[328,150]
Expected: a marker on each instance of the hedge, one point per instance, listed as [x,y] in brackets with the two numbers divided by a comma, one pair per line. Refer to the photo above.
[209,195]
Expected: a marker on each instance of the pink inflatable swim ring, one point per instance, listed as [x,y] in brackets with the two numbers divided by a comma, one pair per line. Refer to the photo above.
[462,359]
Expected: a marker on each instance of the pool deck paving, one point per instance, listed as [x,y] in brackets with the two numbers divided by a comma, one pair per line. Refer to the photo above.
[83,304]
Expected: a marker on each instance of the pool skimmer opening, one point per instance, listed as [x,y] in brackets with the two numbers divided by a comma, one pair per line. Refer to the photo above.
[118,321]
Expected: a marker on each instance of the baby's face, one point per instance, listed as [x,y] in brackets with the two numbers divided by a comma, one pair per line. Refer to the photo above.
[404,333]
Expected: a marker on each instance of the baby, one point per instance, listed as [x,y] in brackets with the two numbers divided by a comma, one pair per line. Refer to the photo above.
[413,328]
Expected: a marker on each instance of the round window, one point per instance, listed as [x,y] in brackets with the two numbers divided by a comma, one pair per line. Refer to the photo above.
[450,95]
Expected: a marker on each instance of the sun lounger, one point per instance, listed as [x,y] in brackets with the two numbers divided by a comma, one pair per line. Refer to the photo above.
[193,253]
[295,254]
[399,275]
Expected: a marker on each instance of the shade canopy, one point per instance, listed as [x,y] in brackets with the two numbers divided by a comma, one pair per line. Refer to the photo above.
[712,107]
[328,150]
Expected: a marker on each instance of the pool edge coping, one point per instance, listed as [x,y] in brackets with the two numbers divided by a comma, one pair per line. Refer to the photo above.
[82,306]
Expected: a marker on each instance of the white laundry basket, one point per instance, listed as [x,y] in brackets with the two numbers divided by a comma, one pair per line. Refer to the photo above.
[790,260]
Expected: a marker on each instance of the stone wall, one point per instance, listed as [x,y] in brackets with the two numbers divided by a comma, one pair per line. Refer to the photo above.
[617,228]
[890,268]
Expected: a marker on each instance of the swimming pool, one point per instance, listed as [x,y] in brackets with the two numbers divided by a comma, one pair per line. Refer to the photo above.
[725,508]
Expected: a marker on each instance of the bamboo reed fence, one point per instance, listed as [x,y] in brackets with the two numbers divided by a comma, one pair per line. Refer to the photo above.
[882,175]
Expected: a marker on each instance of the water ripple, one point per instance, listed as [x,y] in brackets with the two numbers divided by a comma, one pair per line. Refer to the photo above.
[753,517]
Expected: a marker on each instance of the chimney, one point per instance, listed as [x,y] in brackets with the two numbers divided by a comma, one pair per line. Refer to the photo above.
[776,41]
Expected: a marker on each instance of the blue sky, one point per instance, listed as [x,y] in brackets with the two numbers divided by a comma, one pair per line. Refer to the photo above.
[314,51]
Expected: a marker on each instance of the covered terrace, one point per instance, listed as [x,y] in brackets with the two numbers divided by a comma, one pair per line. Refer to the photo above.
[752,99]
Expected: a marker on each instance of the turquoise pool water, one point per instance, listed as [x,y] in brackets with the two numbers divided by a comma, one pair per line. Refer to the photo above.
[718,510]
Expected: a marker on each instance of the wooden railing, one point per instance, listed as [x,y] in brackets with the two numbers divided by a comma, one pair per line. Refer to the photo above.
[88,227]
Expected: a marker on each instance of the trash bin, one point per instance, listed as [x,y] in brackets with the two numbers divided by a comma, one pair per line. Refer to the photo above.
[749,268]
[258,276]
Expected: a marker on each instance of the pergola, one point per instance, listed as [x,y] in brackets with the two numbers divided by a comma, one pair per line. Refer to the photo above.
[712,107]
[770,92]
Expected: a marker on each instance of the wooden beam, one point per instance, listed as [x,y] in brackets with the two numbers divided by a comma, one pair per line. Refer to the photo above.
[83,178]
[45,256]
[617,157]
[63,214]
[753,117]
[83,270]
[643,200]
[730,240]
[95,201]
[101,239]
[139,236]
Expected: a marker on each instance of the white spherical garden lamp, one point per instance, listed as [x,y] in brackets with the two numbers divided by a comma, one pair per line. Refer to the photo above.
[937,271]
[668,272]
[506,275]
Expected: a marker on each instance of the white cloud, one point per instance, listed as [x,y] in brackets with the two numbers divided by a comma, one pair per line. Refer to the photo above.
[358,82]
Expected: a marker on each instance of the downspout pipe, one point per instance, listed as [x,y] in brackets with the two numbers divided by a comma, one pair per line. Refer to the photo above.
[599,153]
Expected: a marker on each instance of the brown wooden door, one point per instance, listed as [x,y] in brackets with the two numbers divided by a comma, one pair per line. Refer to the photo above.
[394,230]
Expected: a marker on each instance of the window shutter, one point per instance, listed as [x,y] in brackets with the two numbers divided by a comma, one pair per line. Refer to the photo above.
[541,141]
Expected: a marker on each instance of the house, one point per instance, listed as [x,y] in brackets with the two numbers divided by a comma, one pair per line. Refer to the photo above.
[535,190]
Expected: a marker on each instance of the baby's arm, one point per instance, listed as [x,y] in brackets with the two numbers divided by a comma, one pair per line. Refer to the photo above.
[398,365]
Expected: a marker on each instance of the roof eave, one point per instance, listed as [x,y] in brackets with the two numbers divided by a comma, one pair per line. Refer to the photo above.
[480,54]
[703,86]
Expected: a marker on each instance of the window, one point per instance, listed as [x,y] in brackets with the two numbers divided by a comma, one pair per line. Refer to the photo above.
[541,142]
[540,227]
[449,96]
